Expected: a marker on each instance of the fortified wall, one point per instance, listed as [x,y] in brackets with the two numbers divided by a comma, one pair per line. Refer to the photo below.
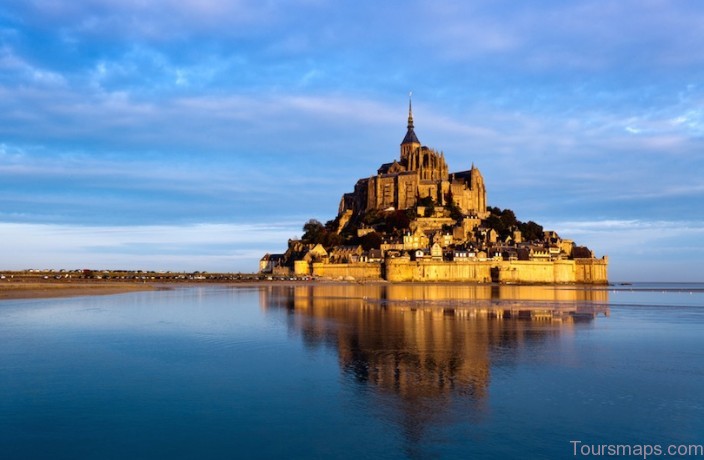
[358,271]
[587,271]
[402,269]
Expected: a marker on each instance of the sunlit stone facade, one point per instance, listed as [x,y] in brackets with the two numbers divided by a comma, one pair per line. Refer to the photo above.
[420,172]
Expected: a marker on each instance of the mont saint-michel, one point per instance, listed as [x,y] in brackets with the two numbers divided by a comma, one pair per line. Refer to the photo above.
[414,220]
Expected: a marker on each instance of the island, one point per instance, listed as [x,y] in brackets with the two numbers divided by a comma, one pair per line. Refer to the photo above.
[416,221]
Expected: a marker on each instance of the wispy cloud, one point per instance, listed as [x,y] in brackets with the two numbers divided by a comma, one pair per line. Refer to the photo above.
[12,64]
[147,20]
[587,36]
[212,247]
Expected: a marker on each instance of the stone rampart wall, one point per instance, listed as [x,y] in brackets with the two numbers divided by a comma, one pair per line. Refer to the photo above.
[589,271]
[593,271]
[356,271]
[403,269]
[559,271]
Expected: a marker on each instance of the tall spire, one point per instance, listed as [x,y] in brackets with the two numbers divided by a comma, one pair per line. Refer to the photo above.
[410,134]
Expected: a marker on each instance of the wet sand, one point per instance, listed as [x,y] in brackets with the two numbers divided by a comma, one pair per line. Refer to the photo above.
[38,290]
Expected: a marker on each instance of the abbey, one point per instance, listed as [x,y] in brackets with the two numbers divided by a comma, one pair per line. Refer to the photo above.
[415,221]
[420,172]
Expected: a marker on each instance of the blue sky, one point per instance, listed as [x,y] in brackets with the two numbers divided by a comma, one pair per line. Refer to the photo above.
[199,134]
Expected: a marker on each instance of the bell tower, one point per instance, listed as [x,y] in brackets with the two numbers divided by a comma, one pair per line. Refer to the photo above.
[410,143]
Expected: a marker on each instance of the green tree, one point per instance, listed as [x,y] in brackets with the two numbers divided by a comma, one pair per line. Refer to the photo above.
[508,218]
[397,220]
[313,232]
[531,231]
[371,218]
[317,233]
[332,225]
[371,241]
[455,211]
[331,239]
[494,221]
[505,221]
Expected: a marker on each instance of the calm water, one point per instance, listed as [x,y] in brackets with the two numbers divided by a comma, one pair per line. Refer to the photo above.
[351,372]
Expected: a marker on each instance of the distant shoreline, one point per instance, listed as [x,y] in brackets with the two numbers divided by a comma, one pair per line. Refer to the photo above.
[35,284]
[24,285]
[51,284]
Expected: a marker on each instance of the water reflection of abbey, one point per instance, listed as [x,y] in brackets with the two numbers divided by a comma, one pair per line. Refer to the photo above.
[440,345]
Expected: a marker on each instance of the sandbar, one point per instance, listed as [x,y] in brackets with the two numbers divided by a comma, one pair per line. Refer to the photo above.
[38,290]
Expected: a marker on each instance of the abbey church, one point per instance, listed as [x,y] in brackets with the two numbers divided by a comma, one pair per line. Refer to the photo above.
[416,221]
[420,172]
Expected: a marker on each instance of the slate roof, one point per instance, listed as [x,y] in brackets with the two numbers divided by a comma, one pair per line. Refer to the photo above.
[410,137]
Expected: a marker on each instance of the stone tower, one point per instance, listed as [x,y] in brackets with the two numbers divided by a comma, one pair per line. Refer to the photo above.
[410,142]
